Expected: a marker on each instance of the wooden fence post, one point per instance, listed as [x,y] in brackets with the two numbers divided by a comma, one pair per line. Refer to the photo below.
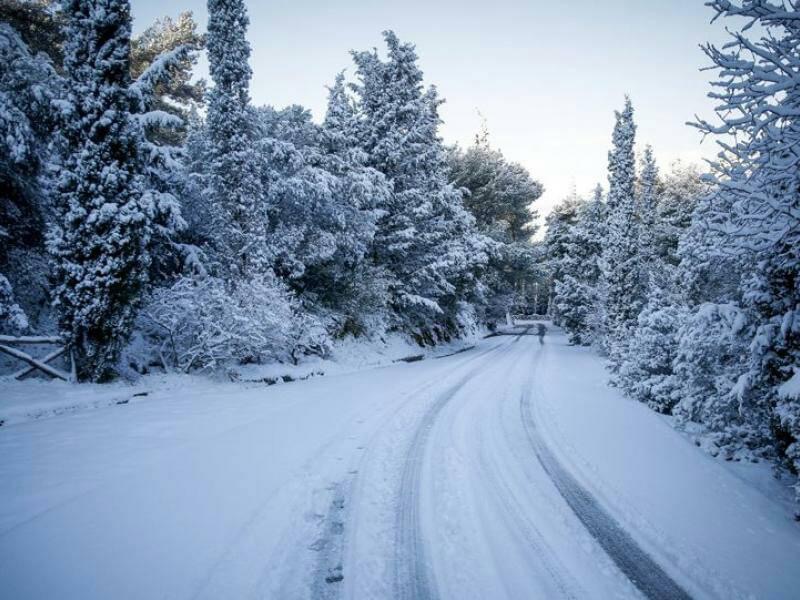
[7,341]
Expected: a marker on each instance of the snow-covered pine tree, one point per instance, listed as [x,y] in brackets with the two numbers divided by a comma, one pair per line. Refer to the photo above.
[328,208]
[235,191]
[501,192]
[500,195]
[426,240]
[558,243]
[29,84]
[175,44]
[682,188]
[711,354]
[106,218]
[758,92]
[646,372]
[574,243]
[580,298]
[622,274]
[648,194]
[574,302]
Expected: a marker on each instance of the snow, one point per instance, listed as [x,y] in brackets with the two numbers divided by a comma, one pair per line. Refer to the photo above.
[211,489]
[33,398]
[726,525]
[791,389]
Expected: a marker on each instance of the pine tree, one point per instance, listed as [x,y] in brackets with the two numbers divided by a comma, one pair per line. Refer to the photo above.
[235,192]
[501,192]
[574,301]
[106,219]
[758,177]
[574,242]
[174,43]
[344,281]
[29,85]
[682,188]
[621,279]
[647,208]
[500,195]
[646,373]
[426,240]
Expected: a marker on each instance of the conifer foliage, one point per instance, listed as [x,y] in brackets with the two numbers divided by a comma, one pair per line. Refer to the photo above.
[715,341]
[621,275]
[426,240]
[106,215]
[501,196]
[235,192]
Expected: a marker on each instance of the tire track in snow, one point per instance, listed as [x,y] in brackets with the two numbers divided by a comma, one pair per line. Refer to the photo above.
[332,545]
[414,578]
[502,493]
[509,498]
[637,565]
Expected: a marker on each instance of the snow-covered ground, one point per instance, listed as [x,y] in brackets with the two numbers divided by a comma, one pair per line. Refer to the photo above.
[36,398]
[507,471]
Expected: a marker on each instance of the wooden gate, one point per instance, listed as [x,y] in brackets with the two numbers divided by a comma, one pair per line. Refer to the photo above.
[41,364]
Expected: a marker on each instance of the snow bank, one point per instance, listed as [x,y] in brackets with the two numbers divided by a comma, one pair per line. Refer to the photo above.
[36,398]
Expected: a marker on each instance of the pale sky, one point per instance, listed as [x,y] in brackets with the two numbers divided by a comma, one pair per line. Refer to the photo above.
[547,76]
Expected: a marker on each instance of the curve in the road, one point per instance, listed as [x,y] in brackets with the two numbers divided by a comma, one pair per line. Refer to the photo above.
[650,579]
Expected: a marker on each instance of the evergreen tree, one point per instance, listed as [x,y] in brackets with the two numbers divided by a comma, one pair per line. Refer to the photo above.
[13,319]
[323,206]
[174,43]
[711,354]
[621,277]
[235,190]
[500,195]
[106,217]
[29,85]
[648,207]
[647,371]
[575,242]
[574,301]
[426,240]
[558,242]
[758,178]
[682,188]
[349,282]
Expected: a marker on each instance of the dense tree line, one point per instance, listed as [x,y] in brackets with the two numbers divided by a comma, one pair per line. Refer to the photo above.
[691,284]
[155,223]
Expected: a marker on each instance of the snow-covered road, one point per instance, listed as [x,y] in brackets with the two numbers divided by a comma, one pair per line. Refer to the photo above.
[509,471]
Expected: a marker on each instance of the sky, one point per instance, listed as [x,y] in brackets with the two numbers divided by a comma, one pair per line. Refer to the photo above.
[546,75]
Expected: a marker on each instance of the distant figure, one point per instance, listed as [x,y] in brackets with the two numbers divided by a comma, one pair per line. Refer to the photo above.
[541,330]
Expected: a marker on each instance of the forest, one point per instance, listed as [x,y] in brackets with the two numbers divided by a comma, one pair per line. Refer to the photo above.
[159,222]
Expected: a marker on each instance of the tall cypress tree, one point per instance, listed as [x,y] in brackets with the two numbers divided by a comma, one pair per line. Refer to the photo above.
[648,205]
[106,219]
[621,278]
[235,190]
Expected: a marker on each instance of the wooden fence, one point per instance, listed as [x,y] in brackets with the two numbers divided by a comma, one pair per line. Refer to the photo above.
[7,343]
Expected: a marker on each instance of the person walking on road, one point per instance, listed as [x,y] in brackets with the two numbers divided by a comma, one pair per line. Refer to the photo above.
[541,330]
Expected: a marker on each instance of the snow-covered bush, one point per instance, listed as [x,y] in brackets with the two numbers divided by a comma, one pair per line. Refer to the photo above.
[788,399]
[207,324]
[712,355]
[12,318]
[647,371]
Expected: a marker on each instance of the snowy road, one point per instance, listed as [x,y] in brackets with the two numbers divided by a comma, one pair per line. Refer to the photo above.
[509,471]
